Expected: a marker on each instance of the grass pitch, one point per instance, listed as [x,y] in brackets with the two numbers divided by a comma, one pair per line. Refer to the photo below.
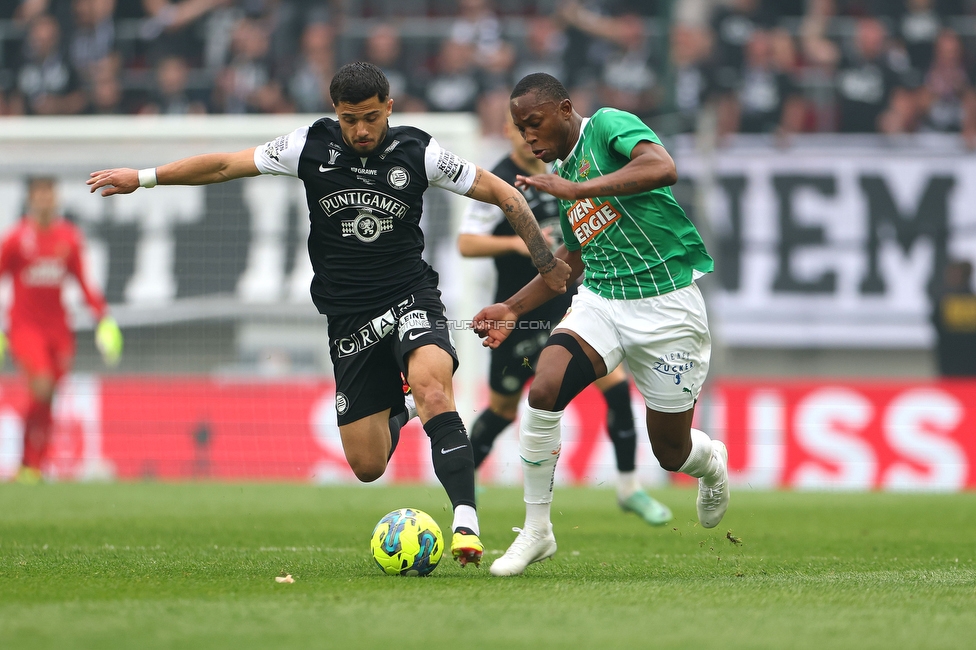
[193,566]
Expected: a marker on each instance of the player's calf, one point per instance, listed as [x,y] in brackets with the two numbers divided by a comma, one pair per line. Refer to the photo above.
[369,470]
[367,443]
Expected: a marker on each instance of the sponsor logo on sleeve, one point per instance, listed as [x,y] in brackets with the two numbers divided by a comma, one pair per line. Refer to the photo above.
[450,165]
[589,220]
[274,148]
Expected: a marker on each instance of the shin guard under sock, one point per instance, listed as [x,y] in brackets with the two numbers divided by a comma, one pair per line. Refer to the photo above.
[539,446]
[450,452]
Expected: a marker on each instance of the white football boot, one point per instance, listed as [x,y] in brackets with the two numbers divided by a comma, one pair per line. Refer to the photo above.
[528,547]
[713,491]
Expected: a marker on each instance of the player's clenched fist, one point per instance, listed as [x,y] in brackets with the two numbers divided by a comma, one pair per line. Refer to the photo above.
[557,277]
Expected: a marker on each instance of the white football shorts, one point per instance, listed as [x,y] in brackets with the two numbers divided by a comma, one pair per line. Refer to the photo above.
[664,339]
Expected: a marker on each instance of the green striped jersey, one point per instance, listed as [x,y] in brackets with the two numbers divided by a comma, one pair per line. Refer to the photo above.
[635,246]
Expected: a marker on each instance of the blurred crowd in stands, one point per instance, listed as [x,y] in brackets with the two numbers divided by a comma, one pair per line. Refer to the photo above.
[768,66]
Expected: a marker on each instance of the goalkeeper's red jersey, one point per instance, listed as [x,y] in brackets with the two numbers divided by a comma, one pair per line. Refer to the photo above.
[39,260]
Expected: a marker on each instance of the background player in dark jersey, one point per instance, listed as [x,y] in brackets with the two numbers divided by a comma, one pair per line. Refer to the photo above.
[486,233]
[39,253]
[365,183]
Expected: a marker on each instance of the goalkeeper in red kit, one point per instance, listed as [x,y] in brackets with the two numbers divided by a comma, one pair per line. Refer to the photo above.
[39,254]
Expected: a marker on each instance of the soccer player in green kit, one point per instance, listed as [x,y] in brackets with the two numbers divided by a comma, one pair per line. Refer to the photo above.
[640,256]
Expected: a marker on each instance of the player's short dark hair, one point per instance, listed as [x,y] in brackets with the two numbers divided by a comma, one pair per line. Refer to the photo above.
[545,86]
[358,81]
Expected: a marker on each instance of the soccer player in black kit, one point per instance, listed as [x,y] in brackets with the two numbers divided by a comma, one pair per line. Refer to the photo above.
[365,181]
[486,233]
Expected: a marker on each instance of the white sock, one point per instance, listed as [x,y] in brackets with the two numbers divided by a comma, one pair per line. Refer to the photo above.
[700,461]
[627,484]
[537,517]
[410,403]
[539,445]
[467,517]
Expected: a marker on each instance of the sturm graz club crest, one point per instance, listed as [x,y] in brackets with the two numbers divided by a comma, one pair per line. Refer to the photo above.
[398,178]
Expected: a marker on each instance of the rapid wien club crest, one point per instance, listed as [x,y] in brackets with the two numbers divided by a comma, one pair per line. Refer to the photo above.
[366,227]
[584,168]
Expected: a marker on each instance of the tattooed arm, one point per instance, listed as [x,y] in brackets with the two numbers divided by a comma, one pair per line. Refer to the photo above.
[650,167]
[488,188]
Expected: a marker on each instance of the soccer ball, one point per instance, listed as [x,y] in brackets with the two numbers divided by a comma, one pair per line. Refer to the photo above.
[407,542]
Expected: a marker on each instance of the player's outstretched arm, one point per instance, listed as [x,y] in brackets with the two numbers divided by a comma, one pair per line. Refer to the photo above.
[490,189]
[650,167]
[471,245]
[495,322]
[196,170]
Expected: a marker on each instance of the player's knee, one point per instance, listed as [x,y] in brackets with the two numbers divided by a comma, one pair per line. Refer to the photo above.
[433,399]
[552,389]
[544,392]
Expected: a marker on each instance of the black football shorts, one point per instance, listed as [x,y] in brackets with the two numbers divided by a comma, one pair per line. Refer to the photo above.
[369,350]
[513,362]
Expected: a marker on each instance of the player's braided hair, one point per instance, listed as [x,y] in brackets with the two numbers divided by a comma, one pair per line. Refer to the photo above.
[358,81]
[545,86]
